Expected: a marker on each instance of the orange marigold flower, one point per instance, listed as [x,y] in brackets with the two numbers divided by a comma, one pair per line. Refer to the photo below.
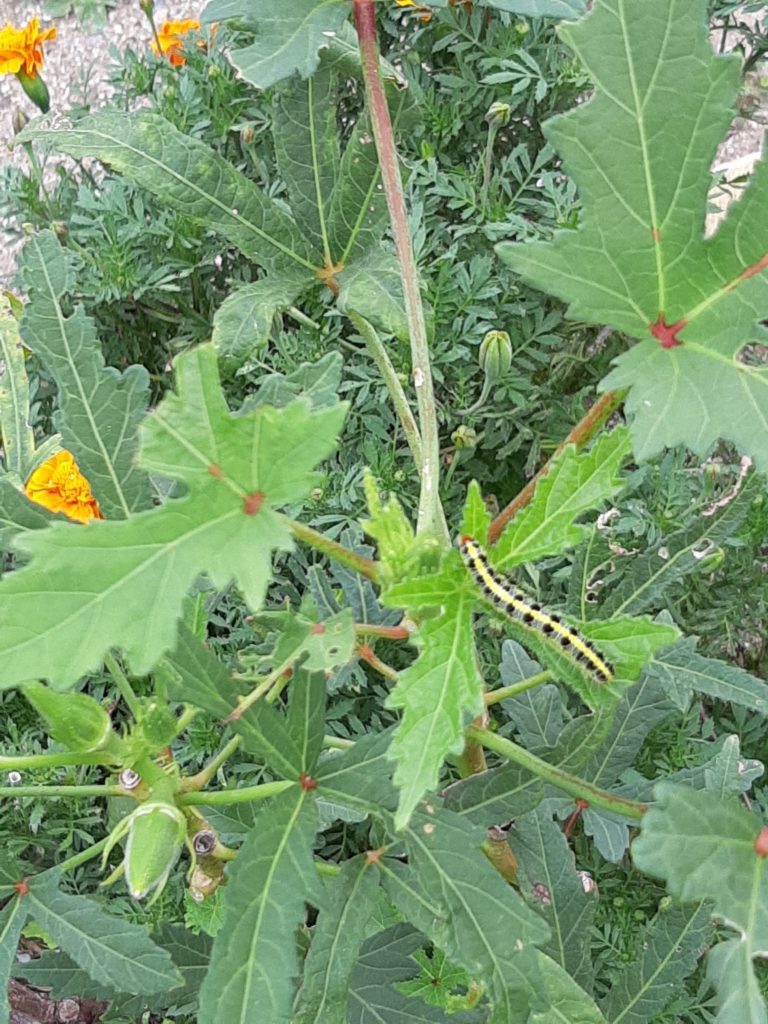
[170,39]
[59,486]
[21,49]
[426,14]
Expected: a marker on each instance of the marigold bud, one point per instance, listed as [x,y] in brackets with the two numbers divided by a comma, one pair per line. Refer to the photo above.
[498,114]
[464,437]
[19,121]
[495,355]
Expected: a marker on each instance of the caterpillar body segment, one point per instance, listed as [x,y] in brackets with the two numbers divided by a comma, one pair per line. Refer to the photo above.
[502,593]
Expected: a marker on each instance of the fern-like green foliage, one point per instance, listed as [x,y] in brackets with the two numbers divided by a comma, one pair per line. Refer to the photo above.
[122,583]
[100,409]
[640,152]
[338,210]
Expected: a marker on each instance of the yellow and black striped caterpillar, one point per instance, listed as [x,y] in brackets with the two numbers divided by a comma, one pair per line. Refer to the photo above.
[513,602]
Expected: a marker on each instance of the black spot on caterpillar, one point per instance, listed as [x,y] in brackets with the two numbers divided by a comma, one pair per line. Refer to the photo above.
[505,596]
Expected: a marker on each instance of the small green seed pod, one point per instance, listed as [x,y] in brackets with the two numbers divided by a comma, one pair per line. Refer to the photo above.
[155,837]
[75,720]
[495,355]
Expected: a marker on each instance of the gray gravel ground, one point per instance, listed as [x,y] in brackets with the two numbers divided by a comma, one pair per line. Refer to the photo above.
[78,61]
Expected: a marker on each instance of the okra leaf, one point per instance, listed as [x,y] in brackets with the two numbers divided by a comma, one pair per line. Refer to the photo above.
[121,584]
[640,152]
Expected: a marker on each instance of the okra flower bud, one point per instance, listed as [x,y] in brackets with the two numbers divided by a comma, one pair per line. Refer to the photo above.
[156,834]
[156,724]
[75,720]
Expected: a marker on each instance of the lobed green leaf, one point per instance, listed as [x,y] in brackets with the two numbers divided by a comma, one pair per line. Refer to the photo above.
[113,951]
[254,963]
[123,583]
[640,153]
[191,177]
[574,484]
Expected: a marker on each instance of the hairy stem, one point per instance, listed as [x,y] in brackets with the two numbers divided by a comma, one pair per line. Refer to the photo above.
[388,632]
[380,356]
[365,566]
[583,432]
[122,683]
[81,858]
[207,772]
[247,794]
[570,784]
[430,516]
[505,692]
[19,762]
[73,792]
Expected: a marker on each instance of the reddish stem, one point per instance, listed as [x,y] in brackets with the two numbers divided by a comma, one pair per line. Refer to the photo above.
[583,432]
[430,511]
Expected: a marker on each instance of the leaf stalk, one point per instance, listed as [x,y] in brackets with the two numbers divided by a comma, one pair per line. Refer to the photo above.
[571,784]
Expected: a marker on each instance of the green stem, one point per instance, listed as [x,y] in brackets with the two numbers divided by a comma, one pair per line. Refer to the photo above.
[505,692]
[384,365]
[570,784]
[365,566]
[207,772]
[39,180]
[302,318]
[431,517]
[122,683]
[262,690]
[236,796]
[55,791]
[20,762]
[81,858]
[337,743]
[187,715]
[479,403]
[487,163]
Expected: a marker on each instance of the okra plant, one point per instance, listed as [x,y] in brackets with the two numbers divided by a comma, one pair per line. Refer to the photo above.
[127,526]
